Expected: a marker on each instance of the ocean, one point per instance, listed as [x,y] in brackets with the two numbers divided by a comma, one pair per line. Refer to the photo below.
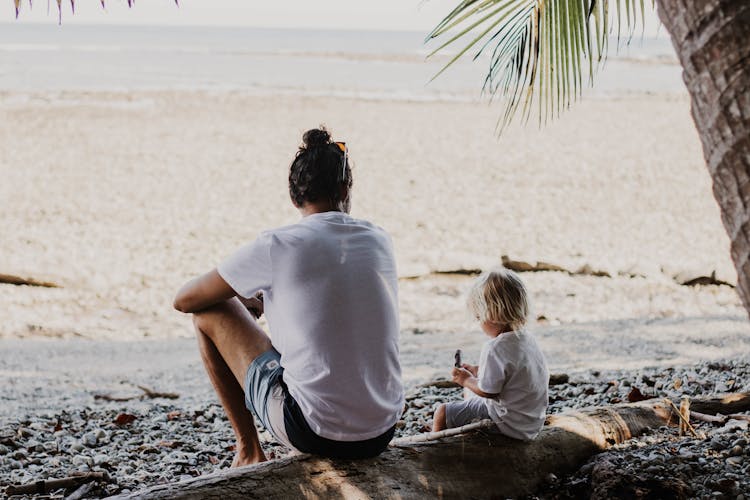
[360,64]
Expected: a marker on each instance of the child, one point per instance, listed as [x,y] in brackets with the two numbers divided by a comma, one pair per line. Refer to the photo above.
[510,384]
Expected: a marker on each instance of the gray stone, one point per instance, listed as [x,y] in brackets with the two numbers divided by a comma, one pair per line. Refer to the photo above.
[90,439]
[736,451]
[734,461]
[716,445]
[76,446]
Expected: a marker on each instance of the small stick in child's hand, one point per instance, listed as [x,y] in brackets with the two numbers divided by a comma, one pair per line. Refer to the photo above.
[457,357]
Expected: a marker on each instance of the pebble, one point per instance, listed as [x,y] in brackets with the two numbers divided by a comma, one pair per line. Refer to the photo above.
[76,446]
[734,460]
[90,439]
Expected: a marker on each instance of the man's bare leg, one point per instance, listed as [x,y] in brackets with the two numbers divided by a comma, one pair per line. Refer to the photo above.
[229,340]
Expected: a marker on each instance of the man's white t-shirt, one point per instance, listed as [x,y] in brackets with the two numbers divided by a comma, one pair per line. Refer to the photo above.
[512,366]
[331,301]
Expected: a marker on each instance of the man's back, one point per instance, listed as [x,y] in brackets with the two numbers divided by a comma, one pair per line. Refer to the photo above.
[332,307]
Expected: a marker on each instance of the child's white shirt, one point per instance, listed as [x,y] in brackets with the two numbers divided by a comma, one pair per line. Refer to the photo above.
[512,366]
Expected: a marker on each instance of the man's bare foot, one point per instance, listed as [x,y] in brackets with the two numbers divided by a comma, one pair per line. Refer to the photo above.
[247,458]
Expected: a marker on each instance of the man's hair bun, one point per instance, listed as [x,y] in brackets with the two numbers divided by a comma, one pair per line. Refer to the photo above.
[316,137]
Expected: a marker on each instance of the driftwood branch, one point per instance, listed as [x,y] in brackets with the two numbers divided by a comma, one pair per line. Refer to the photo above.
[718,418]
[81,492]
[10,279]
[44,487]
[147,393]
[476,464]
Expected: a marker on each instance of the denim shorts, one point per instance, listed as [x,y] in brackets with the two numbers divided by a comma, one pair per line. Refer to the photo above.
[265,393]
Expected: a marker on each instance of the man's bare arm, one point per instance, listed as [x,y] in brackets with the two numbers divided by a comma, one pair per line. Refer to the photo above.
[202,292]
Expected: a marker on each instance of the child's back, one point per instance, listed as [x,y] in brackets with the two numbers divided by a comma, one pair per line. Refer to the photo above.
[512,366]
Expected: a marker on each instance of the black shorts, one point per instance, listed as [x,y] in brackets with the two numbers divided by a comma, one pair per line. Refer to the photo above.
[304,439]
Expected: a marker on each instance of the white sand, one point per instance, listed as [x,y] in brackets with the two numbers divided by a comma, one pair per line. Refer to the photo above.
[122,197]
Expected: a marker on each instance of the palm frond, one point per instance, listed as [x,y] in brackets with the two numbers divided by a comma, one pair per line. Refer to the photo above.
[541,49]
[17,4]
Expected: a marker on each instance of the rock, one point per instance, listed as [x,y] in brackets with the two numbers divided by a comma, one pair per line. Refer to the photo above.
[736,451]
[728,486]
[742,442]
[76,446]
[716,445]
[82,460]
[90,439]
[736,461]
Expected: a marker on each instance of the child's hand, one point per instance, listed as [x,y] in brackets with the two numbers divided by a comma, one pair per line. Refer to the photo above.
[461,375]
[474,369]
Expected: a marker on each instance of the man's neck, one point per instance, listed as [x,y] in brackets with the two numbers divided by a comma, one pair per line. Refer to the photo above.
[316,208]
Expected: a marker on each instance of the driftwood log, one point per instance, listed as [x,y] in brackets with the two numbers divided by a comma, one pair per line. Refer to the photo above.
[10,279]
[478,464]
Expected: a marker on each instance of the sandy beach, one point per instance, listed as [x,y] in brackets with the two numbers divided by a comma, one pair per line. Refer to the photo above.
[121,197]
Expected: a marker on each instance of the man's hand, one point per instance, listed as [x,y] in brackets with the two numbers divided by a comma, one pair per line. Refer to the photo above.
[473,369]
[461,375]
[254,304]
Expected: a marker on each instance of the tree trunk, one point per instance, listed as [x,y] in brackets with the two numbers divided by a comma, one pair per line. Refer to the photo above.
[477,465]
[711,38]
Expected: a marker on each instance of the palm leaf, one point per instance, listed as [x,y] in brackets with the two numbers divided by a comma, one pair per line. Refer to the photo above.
[17,4]
[540,48]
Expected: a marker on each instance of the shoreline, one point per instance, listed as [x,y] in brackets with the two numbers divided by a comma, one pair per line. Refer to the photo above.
[51,375]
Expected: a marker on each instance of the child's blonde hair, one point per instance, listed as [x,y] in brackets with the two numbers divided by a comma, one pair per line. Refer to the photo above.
[499,296]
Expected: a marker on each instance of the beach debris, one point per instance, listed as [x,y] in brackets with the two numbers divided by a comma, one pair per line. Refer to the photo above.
[683,413]
[147,393]
[124,418]
[685,416]
[558,378]
[587,270]
[703,280]
[636,395]
[81,492]
[10,279]
[521,266]
[46,486]
[459,272]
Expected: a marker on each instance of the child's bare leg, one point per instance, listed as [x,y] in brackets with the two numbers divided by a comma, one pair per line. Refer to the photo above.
[438,421]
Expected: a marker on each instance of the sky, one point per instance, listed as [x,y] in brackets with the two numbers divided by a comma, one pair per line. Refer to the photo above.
[400,15]
[408,15]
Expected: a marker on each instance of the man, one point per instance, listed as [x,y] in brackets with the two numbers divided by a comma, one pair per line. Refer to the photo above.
[327,380]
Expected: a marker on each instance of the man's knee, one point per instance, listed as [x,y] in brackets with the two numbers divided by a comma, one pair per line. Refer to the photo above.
[205,320]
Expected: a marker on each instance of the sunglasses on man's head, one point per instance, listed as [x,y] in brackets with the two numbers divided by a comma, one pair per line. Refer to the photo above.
[343,148]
